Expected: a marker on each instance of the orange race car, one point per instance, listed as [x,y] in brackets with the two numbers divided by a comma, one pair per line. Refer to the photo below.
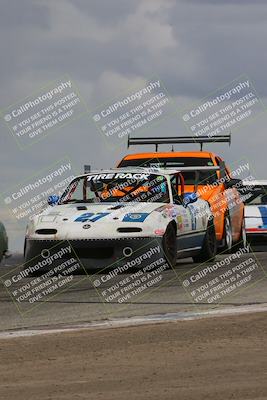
[217,187]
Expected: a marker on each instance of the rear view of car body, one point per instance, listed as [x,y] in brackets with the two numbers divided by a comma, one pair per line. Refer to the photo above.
[256,211]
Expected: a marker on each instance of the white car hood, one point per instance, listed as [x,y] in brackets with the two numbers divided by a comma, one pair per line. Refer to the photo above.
[113,210]
[96,221]
[256,217]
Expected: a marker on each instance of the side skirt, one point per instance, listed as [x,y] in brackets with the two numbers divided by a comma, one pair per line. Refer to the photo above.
[190,244]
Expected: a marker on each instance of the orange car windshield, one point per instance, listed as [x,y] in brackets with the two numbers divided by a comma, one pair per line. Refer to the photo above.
[205,177]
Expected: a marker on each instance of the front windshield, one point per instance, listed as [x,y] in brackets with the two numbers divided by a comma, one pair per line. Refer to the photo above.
[117,187]
[256,196]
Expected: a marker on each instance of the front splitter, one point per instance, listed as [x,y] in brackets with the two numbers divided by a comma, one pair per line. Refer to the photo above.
[95,253]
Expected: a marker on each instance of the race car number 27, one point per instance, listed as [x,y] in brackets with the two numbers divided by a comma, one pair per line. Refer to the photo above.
[90,217]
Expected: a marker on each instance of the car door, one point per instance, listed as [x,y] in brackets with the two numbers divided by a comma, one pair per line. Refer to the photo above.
[235,205]
[191,218]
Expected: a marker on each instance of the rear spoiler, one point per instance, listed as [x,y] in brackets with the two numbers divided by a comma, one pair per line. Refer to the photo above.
[177,140]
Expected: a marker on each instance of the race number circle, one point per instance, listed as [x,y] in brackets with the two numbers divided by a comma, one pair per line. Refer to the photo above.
[135,216]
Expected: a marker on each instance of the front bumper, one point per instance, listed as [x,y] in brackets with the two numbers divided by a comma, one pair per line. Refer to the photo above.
[95,253]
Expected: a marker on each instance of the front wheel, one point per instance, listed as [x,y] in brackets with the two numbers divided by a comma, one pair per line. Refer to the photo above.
[209,247]
[27,260]
[227,235]
[170,245]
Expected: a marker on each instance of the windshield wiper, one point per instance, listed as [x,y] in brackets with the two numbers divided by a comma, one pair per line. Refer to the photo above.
[77,201]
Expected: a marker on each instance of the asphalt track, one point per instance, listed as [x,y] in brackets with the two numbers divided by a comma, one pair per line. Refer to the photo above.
[81,303]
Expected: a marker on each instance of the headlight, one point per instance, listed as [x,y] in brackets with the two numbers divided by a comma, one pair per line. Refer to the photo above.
[29,229]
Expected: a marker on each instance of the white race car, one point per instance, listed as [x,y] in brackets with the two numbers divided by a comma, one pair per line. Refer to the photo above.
[255,197]
[107,215]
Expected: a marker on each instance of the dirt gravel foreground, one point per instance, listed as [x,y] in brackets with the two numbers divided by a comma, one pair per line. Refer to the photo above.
[216,358]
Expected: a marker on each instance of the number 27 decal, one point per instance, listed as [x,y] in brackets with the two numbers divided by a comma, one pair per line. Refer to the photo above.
[90,217]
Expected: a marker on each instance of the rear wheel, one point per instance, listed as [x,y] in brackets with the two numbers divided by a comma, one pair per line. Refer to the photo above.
[242,242]
[170,245]
[209,247]
[227,235]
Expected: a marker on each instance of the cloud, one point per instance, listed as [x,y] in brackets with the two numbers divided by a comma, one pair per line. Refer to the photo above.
[223,3]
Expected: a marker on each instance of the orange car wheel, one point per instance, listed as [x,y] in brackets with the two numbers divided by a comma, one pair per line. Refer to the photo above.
[227,234]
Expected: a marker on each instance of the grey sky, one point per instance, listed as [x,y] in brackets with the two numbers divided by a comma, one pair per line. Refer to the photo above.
[107,46]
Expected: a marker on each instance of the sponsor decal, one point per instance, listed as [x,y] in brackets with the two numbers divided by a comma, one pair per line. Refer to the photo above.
[263,211]
[159,232]
[120,175]
[135,217]
[90,217]
[168,211]
[193,211]
[180,222]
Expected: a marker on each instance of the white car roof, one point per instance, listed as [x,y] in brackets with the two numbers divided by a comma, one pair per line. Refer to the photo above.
[255,183]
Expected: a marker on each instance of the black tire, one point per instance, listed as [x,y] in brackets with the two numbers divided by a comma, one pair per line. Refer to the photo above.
[242,241]
[227,235]
[209,247]
[24,248]
[170,245]
[25,252]
[26,261]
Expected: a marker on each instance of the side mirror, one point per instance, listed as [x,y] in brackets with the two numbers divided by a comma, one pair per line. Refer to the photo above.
[189,198]
[53,200]
[233,182]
